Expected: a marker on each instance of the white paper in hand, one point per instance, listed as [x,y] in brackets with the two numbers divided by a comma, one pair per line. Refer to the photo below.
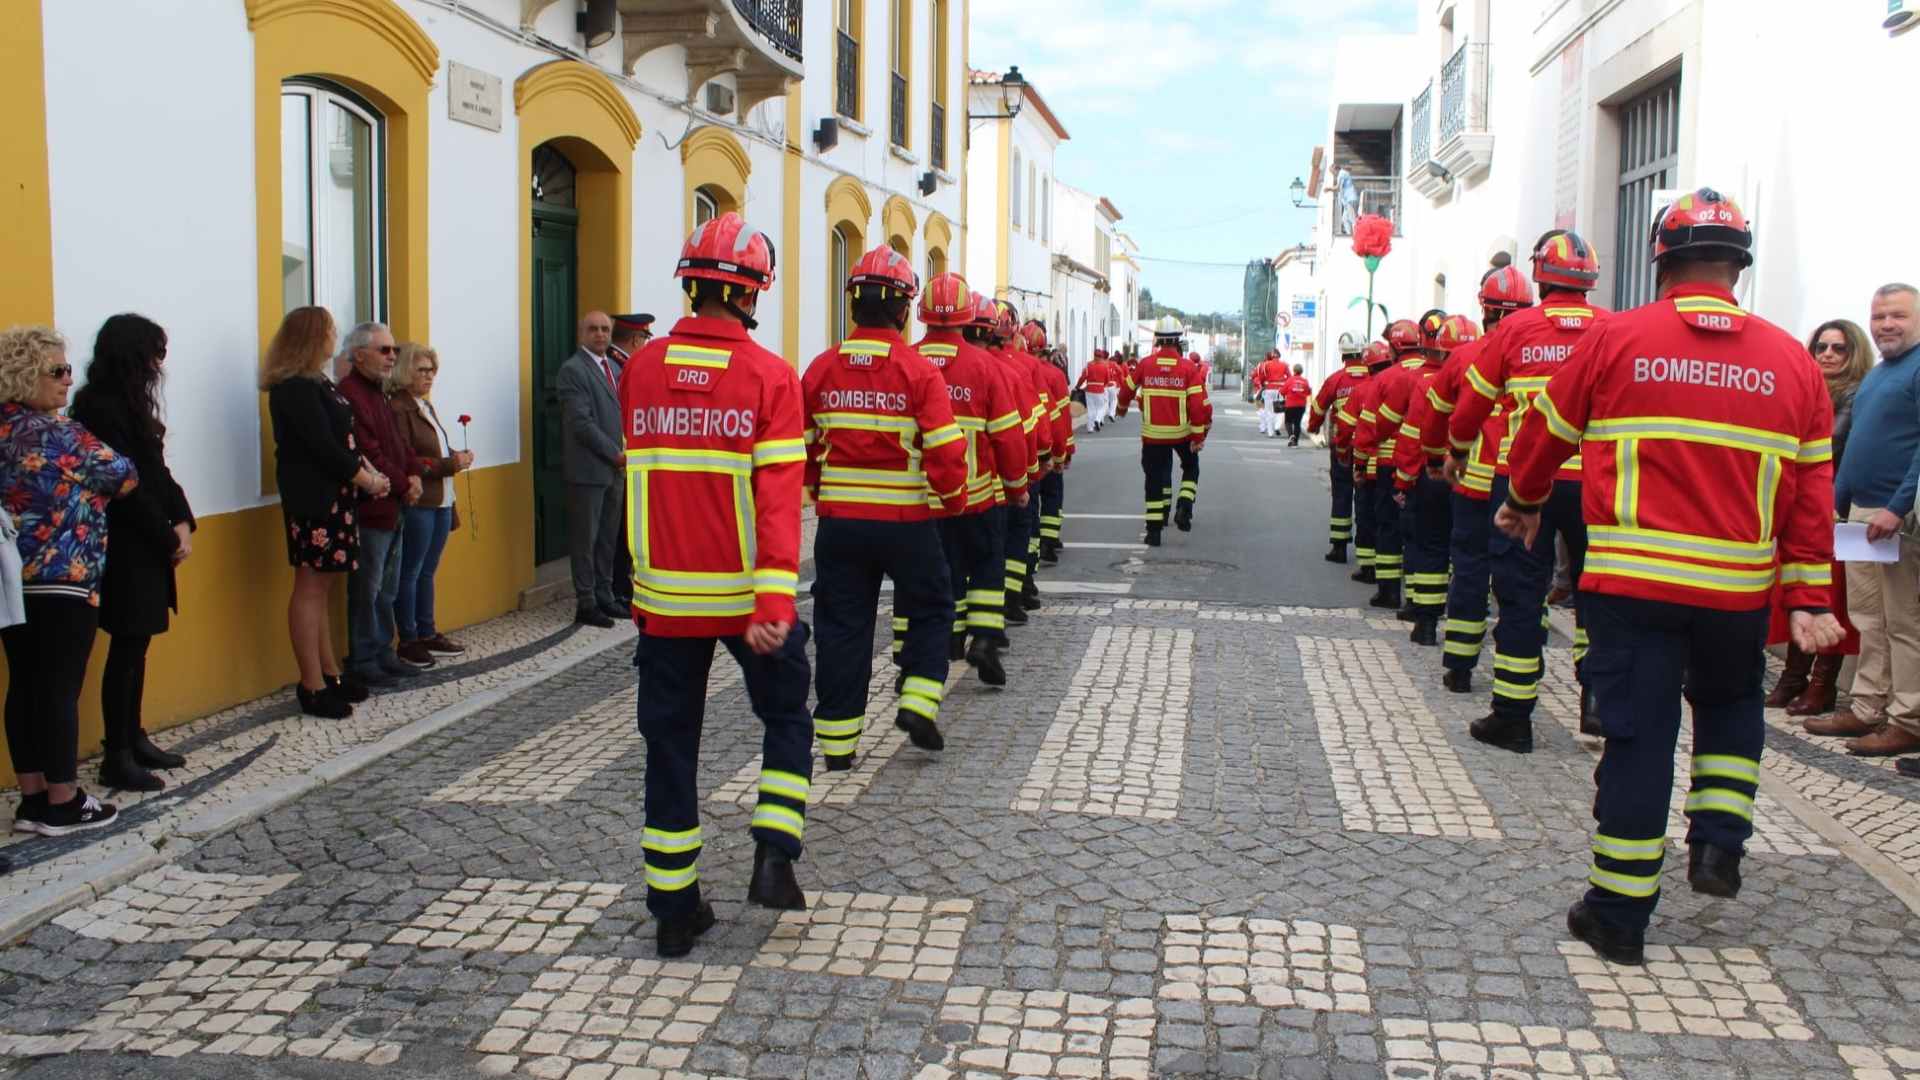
[1850,544]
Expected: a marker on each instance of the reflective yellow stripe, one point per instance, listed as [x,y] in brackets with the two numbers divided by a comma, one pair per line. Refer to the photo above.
[871,496]
[1516,691]
[1699,547]
[1672,572]
[790,785]
[860,347]
[1625,884]
[1727,767]
[670,880]
[1721,800]
[1806,574]
[658,603]
[934,348]
[779,452]
[846,474]
[1614,847]
[1480,384]
[670,842]
[926,688]
[1556,424]
[1568,312]
[779,819]
[776,582]
[837,728]
[1519,665]
[1711,304]
[856,421]
[1814,452]
[1440,404]
[694,582]
[920,706]
[697,356]
[1686,429]
[1388,414]
[1463,626]
[708,461]
[1003,422]
[941,436]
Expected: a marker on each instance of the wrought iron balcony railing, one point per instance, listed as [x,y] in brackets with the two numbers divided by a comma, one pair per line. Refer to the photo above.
[777,20]
[1463,92]
[897,121]
[1421,130]
[939,141]
[846,77]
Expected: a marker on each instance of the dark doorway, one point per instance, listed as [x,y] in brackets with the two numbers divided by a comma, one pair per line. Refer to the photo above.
[556,294]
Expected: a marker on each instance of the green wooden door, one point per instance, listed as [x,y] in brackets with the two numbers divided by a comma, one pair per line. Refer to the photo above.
[555,298]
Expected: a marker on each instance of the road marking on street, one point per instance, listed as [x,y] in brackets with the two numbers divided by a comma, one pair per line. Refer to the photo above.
[1415,1047]
[639,1017]
[1719,993]
[1105,545]
[1117,746]
[1393,769]
[871,935]
[1103,517]
[1274,963]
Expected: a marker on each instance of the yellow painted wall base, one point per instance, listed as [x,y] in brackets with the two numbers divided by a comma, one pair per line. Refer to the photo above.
[229,642]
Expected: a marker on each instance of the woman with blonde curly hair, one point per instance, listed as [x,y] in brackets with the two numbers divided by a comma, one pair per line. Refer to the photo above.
[56,479]
[318,468]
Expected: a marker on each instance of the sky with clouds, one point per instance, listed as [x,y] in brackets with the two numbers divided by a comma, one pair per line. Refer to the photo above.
[1193,116]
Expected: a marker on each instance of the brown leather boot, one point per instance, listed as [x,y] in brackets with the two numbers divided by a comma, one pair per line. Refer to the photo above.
[1793,680]
[1819,694]
[1849,724]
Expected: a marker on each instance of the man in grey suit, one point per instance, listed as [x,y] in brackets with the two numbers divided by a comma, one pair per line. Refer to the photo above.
[594,463]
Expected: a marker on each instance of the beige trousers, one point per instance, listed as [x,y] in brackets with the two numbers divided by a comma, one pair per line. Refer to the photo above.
[1883,602]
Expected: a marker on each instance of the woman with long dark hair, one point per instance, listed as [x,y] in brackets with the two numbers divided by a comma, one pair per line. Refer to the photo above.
[151,531]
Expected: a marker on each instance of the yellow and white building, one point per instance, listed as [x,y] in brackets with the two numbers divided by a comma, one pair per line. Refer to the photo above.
[477,174]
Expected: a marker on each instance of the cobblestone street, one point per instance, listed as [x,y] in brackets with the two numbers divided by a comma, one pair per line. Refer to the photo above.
[1208,830]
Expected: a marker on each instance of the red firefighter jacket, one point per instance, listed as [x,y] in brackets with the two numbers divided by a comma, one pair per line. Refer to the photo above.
[1523,352]
[1060,412]
[985,409]
[1296,390]
[1708,456]
[1443,394]
[1362,412]
[1270,375]
[1390,405]
[881,440]
[1412,453]
[1173,399]
[1096,377]
[714,469]
[1026,387]
[1331,401]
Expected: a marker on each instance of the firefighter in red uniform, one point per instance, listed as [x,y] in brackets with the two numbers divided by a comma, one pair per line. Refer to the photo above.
[1269,382]
[1684,408]
[1502,291]
[1376,430]
[1094,380]
[1028,340]
[1526,350]
[985,409]
[882,446]
[1426,505]
[714,472]
[1329,403]
[1023,523]
[1174,416]
[1059,419]
[1294,394]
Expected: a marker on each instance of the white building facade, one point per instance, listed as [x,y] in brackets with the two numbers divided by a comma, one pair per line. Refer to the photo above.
[1011,197]
[473,174]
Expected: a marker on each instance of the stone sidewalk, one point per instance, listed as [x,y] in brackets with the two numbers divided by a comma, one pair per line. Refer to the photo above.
[1193,840]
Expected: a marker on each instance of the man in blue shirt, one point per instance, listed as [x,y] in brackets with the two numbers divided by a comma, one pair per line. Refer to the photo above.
[1877,478]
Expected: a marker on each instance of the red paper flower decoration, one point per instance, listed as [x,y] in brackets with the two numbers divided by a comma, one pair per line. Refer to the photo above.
[465,419]
[1372,235]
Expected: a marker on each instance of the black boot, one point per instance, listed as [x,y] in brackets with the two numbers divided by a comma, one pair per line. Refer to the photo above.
[1714,871]
[1183,515]
[145,753]
[1589,718]
[1386,596]
[899,684]
[1364,575]
[1612,943]
[1050,552]
[985,660]
[1505,732]
[120,772]
[921,731]
[676,932]
[839,762]
[1337,553]
[1407,614]
[323,703]
[1426,632]
[773,885]
[1459,681]
[1153,536]
[957,647]
[1015,611]
[347,687]
[1030,596]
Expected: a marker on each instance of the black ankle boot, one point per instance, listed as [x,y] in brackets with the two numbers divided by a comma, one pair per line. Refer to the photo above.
[1459,681]
[1015,611]
[957,647]
[1337,553]
[1613,943]
[1589,719]
[1183,515]
[985,660]
[1364,575]
[1153,536]
[348,687]
[921,731]
[324,703]
[1425,632]
[1386,596]
[120,772]
[839,762]
[1406,613]
[773,885]
[676,933]
[1507,733]
[151,756]
[1714,871]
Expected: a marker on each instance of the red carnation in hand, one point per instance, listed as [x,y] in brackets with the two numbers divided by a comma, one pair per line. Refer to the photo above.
[1372,235]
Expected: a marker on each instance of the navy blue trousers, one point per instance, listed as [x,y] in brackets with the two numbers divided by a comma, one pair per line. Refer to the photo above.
[1522,576]
[1467,592]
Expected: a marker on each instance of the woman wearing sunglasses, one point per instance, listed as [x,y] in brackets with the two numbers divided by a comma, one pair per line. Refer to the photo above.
[1807,686]
[57,479]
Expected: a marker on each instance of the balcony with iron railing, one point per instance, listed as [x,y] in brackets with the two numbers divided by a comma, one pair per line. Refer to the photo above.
[939,136]
[1420,129]
[897,112]
[758,42]
[1362,195]
[1465,146]
[846,75]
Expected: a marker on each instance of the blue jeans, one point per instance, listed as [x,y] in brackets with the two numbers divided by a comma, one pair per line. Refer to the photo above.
[370,596]
[423,536]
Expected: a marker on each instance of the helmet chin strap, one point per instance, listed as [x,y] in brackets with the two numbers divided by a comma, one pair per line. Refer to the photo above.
[746,318]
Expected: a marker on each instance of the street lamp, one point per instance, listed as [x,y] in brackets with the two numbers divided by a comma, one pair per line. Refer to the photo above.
[1013,88]
[1297,189]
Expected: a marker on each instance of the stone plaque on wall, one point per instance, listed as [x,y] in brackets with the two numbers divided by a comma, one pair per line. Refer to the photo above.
[473,96]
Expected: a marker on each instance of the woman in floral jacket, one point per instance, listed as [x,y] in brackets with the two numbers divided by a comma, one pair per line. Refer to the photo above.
[56,480]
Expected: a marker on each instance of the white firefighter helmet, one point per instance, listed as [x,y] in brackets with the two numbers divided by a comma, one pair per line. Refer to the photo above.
[1351,344]
[1168,326]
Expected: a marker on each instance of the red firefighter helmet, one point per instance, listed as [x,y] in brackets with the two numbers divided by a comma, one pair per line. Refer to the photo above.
[1378,354]
[1704,220]
[885,268]
[1403,335]
[947,301]
[1505,289]
[1033,337]
[1005,320]
[1564,260]
[728,249]
[1456,331]
[1430,324]
[984,313]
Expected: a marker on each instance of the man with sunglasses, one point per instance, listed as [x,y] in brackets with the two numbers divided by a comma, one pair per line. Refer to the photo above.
[370,350]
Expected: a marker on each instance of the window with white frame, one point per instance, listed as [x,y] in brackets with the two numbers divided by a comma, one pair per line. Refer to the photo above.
[705,209]
[1046,209]
[332,203]
[842,268]
[1016,188]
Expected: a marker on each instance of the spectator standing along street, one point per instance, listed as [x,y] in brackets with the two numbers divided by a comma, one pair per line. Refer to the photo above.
[57,481]
[593,461]
[425,525]
[374,586]
[1877,483]
[152,533]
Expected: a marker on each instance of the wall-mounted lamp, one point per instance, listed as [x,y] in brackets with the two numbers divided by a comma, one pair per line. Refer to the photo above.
[1298,190]
[1439,172]
[596,23]
[929,182]
[827,135]
[1013,91]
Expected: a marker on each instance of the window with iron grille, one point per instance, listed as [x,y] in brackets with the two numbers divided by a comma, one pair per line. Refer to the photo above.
[902,57]
[1649,161]
[846,77]
[937,141]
